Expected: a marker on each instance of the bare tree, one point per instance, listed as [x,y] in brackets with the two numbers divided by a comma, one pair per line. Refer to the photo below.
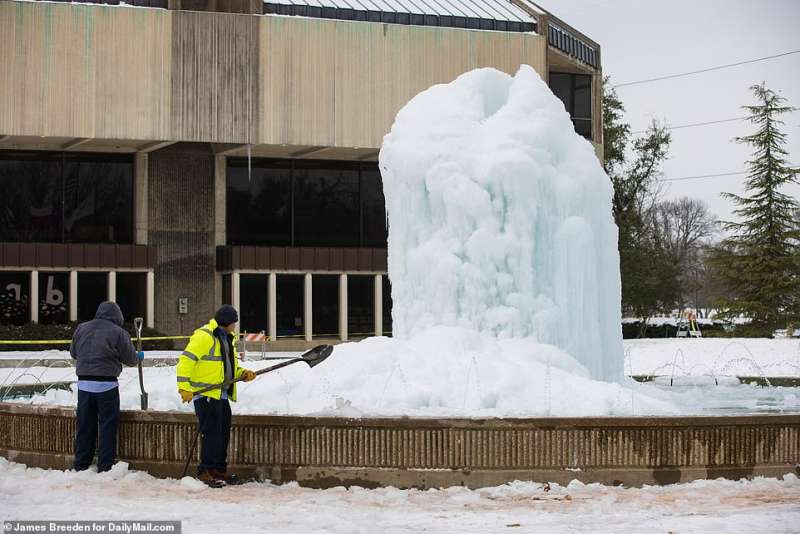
[683,227]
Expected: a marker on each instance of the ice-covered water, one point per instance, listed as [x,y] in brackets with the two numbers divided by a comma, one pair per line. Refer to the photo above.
[500,219]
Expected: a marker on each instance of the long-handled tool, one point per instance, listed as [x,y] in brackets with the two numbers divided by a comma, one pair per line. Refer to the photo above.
[312,357]
[137,324]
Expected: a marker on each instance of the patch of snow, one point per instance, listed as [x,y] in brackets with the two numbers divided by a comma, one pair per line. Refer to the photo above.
[759,505]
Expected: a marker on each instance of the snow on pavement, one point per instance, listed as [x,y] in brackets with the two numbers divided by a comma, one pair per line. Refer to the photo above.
[760,505]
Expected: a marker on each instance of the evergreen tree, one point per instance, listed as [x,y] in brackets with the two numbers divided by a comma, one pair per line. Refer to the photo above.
[760,262]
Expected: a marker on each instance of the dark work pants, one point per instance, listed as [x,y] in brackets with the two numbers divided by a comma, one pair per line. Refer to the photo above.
[214,418]
[96,411]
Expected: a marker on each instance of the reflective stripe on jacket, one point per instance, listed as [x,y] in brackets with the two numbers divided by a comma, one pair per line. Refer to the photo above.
[201,363]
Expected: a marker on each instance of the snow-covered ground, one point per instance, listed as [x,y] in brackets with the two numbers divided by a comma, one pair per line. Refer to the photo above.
[367,379]
[760,505]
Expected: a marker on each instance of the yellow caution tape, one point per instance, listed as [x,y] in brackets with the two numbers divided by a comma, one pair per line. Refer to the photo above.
[68,341]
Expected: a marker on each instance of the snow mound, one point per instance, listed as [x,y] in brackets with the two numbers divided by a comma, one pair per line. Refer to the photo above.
[500,219]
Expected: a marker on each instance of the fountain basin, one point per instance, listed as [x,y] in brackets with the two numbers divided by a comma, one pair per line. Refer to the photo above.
[434,452]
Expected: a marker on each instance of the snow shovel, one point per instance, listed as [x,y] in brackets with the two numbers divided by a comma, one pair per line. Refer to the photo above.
[312,357]
[137,324]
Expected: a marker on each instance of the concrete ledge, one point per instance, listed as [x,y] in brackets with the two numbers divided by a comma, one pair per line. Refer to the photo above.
[434,452]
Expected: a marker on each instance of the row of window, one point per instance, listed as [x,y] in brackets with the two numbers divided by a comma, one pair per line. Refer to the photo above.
[58,197]
[63,197]
[281,202]
[290,298]
[54,296]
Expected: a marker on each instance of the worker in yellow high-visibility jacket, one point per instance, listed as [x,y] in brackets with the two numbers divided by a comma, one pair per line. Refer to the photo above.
[210,359]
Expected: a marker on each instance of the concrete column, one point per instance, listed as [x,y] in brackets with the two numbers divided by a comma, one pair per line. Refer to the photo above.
[73,296]
[272,306]
[34,303]
[140,217]
[112,286]
[150,316]
[343,307]
[220,236]
[235,292]
[378,305]
[308,307]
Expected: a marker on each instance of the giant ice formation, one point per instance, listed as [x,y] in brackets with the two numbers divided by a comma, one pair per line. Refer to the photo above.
[500,219]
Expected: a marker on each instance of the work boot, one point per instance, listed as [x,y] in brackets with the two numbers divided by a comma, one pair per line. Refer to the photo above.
[208,478]
[231,479]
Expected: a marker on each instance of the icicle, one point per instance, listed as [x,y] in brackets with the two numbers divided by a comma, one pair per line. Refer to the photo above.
[249,165]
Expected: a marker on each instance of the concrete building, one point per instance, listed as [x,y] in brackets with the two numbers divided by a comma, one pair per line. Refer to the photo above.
[176,154]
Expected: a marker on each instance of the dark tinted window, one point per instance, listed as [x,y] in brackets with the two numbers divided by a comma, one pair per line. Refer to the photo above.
[325,296]
[15,290]
[387,306]
[305,203]
[30,206]
[289,304]
[253,301]
[98,200]
[65,197]
[583,97]
[258,204]
[374,208]
[360,309]
[92,290]
[326,204]
[131,295]
[561,85]
[575,91]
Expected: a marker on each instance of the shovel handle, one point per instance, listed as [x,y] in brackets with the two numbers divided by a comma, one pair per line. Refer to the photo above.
[137,324]
[224,385]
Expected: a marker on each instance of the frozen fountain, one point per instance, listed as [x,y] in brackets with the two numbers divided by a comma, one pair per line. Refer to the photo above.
[500,219]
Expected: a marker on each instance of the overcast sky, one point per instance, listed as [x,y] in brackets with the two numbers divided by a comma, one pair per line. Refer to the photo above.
[643,39]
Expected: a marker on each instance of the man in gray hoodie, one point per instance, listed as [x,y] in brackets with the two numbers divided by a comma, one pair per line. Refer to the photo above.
[100,347]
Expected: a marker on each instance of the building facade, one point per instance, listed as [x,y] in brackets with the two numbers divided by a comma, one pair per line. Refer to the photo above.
[176,154]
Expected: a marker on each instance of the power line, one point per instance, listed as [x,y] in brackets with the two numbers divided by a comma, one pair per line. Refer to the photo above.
[695,124]
[718,67]
[708,123]
[793,168]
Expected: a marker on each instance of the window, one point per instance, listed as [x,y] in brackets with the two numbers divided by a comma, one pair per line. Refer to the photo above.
[92,290]
[258,203]
[253,301]
[53,298]
[52,197]
[325,296]
[387,306]
[289,297]
[15,290]
[374,209]
[326,204]
[360,309]
[305,203]
[98,199]
[131,295]
[575,91]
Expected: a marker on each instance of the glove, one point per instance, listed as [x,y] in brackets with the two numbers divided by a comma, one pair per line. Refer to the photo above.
[186,396]
[248,375]
[140,354]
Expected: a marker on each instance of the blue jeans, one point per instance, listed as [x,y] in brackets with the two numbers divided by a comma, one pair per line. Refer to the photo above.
[214,418]
[96,411]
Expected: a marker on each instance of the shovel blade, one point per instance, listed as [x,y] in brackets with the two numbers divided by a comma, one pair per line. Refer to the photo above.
[317,355]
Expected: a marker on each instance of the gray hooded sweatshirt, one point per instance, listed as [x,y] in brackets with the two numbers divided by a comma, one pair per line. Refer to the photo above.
[101,346]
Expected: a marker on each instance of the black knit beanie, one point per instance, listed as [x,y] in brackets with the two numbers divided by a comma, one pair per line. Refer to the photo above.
[226,315]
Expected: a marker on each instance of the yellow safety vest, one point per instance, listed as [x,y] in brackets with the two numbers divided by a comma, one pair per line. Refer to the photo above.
[201,365]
